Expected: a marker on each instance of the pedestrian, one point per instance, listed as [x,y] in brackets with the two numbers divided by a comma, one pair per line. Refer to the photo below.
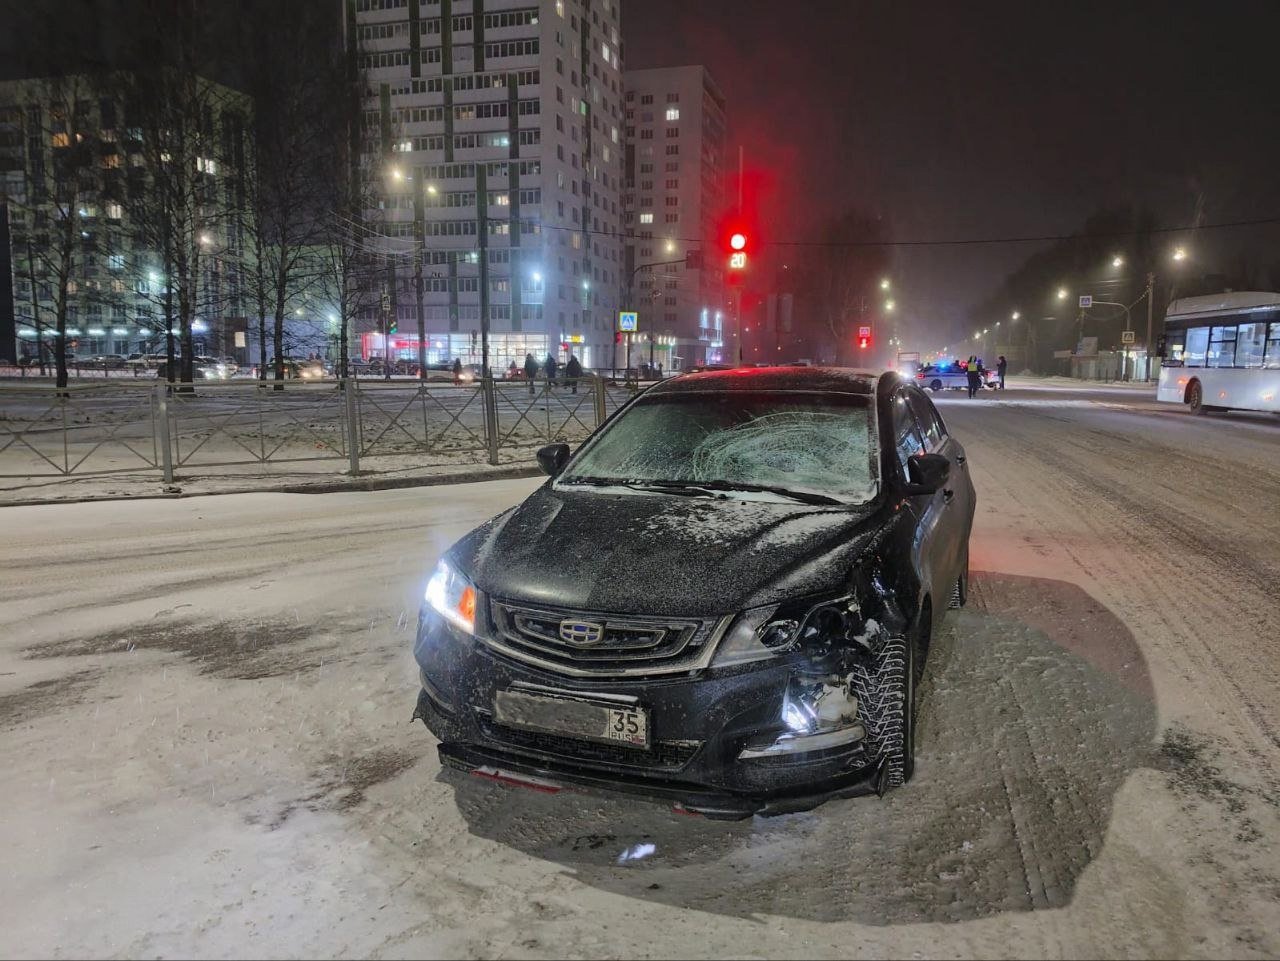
[1001,366]
[974,375]
[530,370]
[551,370]
[457,371]
[659,370]
[513,371]
[572,371]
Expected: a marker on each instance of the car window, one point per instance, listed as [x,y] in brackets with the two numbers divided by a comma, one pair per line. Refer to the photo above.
[927,419]
[906,433]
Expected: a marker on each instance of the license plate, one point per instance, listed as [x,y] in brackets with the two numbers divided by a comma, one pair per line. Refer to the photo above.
[624,723]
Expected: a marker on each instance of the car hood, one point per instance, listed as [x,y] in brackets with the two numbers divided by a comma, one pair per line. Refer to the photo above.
[660,554]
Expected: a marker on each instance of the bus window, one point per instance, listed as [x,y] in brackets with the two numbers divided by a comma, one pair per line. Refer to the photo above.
[1197,347]
[1222,347]
[1272,358]
[1250,342]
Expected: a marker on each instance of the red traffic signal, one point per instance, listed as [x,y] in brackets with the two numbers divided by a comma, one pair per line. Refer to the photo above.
[864,343]
[738,241]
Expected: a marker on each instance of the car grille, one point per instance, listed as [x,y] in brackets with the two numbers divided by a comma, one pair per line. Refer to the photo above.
[662,755]
[594,644]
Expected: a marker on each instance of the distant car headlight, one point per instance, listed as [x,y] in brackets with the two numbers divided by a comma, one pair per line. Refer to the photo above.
[453,597]
[811,625]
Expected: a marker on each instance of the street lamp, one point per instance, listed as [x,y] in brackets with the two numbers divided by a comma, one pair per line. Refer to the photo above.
[1015,315]
[671,247]
[1062,293]
[884,284]
[888,306]
[1117,261]
[1180,253]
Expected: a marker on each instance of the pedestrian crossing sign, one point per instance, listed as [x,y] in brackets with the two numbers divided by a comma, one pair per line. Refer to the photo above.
[628,320]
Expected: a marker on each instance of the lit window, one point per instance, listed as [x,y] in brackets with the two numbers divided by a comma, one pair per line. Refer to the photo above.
[673,113]
[114,211]
[646,218]
[205,165]
[560,8]
[115,261]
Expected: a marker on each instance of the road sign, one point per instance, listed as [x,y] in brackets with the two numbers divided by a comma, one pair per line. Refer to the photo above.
[1126,336]
[864,331]
[1086,300]
[628,320]
[386,302]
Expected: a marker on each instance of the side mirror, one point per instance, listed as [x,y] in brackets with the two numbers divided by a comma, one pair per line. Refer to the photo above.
[552,459]
[926,473]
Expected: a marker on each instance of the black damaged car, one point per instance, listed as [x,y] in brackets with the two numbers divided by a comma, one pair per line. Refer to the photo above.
[723,600]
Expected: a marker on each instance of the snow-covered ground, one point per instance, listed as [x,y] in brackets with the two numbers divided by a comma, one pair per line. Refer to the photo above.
[204,729]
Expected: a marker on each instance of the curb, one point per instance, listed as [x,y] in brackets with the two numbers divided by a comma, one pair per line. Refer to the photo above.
[330,487]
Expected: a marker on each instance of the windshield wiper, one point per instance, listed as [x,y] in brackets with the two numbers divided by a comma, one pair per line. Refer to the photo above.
[804,497]
[639,485]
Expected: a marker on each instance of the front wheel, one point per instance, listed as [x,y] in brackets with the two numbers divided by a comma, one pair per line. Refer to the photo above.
[1195,399]
[960,590]
[885,685]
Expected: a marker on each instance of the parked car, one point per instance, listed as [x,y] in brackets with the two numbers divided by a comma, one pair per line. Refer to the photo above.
[790,539]
[104,362]
[145,361]
[293,369]
[202,368]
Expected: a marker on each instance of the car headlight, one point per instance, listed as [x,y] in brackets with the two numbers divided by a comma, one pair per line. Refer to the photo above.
[453,597]
[812,625]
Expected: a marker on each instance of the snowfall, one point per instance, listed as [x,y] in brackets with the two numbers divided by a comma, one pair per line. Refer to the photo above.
[207,749]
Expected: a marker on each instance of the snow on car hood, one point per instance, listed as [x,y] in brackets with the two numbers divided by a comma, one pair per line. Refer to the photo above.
[662,555]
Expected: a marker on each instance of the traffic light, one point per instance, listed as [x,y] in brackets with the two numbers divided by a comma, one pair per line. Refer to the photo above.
[393,325]
[617,336]
[864,343]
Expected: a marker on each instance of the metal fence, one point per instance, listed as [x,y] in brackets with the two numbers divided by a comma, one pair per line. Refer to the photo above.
[168,429]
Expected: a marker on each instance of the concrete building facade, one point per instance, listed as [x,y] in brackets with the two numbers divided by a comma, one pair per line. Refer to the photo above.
[676,197]
[494,124]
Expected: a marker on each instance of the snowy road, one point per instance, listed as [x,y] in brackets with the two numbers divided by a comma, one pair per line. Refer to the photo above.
[204,734]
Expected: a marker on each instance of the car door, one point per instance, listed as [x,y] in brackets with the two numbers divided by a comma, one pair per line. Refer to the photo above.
[929,509]
[956,517]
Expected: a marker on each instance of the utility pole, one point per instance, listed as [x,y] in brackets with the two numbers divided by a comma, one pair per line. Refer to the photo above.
[419,239]
[1151,296]
[482,227]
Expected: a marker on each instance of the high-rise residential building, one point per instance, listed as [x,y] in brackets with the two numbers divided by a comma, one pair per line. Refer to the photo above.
[675,200]
[74,163]
[495,125]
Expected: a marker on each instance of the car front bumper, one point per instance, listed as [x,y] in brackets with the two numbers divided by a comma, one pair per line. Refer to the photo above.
[700,726]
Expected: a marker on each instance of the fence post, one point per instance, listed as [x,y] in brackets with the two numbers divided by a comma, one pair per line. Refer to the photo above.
[599,387]
[489,398]
[166,445]
[353,427]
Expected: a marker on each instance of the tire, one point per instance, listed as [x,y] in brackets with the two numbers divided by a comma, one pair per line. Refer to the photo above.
[885,684]
[1195,399]
[960,590]
[936,386]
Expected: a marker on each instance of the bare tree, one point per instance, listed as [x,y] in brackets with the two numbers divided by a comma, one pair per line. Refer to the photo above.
[188,132]
[57,196]
[283,218]
[844,275]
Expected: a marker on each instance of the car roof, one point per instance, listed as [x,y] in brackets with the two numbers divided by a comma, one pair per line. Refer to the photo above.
[844,380]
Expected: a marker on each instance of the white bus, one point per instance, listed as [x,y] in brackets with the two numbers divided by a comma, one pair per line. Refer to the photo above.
[1222,352]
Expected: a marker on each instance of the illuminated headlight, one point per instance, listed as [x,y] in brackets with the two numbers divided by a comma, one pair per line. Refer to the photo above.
[453,597]
[765,632]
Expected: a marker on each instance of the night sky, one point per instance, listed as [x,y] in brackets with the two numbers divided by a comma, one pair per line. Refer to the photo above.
[992,119]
